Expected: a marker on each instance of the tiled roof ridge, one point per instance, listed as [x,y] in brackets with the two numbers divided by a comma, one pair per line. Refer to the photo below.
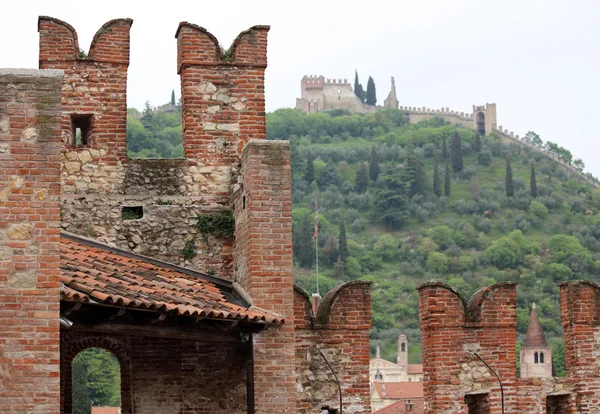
[190,272]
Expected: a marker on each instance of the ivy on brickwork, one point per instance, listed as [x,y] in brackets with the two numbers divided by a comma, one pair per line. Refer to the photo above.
[220,225]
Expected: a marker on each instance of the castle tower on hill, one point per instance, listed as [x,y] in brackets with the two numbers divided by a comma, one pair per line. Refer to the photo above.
[319,94]
[536,355]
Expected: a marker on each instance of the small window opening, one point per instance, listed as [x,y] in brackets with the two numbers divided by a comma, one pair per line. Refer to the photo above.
[95,381]
[410,380]
[477,403]
[403,347]
[81,125]
[132,213]
[541,357]
[243,202]
[535,358]
[557,404]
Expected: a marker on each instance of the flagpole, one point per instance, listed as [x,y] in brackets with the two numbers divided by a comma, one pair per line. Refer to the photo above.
[316,236]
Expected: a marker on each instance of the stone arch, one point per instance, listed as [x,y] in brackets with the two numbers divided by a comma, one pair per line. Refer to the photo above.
[480,120]
[72,344]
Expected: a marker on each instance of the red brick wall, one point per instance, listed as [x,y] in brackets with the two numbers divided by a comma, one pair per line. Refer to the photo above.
[29,240]
[94,85]
[223,103]
[341,331]
[263,267]
[167,376]
[487,323]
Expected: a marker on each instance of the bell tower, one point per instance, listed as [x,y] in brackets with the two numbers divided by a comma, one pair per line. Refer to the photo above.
[402,359]
[536,355]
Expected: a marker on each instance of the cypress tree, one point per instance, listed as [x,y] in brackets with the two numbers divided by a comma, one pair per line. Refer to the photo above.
[374,165]
[362,179]
[444,149]
[343,243]
[510,190]
[534,191]
[358,89]
[447,181]
[456,153]
[416,174]
[437,187]
[371,93]
[306,247]
[477,145]
[310,169]
[173,97]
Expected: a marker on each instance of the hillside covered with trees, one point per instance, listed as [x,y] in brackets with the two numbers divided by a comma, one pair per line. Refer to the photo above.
[403,204]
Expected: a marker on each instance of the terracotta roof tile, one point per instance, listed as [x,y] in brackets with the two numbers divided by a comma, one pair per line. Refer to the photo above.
[399,407]
[415,369]
[399,390]
[93,272]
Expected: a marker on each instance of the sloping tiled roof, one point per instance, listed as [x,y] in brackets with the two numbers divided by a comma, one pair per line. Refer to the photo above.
[399,390]
[415,368]
[535,335]
[96,273]
[399,407]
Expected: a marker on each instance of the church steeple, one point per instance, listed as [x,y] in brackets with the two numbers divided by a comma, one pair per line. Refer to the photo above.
[535,337]
[536,356]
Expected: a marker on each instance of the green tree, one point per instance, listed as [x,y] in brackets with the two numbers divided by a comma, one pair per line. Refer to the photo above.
[81,400]
[374,168]
[505,253]
[477,144]
[358,88]
[415,172]
[538,210]
[309,176]
[96,380]
[305,246]
[391,200]
[533,183]
[437,262]
[437,185]
[456,153]
[343,243]
[328,177]
[447,181]
[362,179]
[510,189]
[444,149]
[173,97]
[371,93]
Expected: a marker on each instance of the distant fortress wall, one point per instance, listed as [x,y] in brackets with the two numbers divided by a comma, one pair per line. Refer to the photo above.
[319,94]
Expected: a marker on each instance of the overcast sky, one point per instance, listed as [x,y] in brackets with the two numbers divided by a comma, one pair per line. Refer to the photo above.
[539,61]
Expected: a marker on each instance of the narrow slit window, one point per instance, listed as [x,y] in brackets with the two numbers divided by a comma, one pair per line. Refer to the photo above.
[81,125]
[541,357]
[535,358]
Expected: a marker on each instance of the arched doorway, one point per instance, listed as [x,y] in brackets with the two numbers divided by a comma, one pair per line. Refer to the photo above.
[480,119]
[96,381]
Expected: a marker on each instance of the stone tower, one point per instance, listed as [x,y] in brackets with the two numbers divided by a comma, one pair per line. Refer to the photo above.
[391,101]
[536,356]
[402,359]
[484,118]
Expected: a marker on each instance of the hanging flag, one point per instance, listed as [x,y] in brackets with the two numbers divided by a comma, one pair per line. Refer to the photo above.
[316,233]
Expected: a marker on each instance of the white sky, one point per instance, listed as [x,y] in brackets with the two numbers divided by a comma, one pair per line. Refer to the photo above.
[539,61]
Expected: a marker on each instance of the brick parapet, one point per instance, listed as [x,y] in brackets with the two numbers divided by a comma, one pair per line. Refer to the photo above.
[94,85]
[223,102]
[29,240]
[341,332]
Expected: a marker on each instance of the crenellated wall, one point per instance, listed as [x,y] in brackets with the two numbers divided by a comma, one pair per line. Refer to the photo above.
[453,329]
[340,330]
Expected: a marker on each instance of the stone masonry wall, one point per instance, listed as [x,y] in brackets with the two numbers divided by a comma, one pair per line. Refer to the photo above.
[168,376]
[453,329]
[98,180]
[340,330]
[29,240]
